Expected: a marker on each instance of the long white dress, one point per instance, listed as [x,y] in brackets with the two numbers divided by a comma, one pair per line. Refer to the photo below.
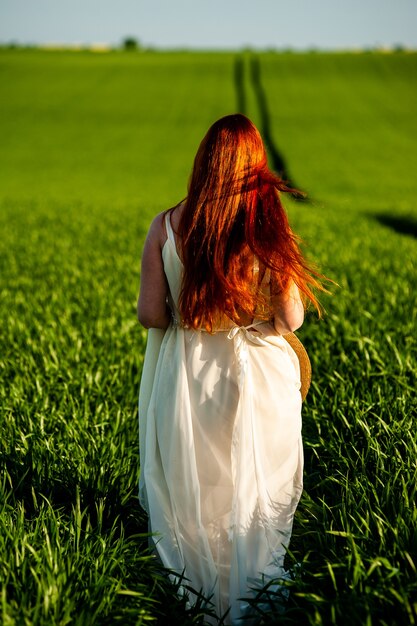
[220,450]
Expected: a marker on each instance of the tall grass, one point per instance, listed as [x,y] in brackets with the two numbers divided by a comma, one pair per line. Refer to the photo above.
[92,147]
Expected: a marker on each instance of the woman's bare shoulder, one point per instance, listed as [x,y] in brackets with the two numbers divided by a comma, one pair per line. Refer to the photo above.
[157,230]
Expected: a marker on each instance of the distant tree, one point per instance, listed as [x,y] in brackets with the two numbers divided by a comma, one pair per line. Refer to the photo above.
[130,43]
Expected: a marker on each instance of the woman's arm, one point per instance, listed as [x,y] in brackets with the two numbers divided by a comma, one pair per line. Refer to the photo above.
[289,311]
[152,309]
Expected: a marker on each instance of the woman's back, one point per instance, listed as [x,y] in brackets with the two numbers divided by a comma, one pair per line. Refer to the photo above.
[173,267]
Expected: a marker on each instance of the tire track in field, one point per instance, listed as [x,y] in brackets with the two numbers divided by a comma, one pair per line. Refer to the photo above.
[278,161]
[239,76]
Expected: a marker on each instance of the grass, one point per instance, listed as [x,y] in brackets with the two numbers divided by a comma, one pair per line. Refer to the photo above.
[92,147]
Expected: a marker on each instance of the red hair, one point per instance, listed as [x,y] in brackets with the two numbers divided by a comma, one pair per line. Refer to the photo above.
[233,216]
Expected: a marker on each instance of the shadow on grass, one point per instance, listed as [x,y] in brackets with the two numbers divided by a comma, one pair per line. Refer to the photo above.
[404,225]
[63,488]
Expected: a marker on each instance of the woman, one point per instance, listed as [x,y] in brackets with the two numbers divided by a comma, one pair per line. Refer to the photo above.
[220,406]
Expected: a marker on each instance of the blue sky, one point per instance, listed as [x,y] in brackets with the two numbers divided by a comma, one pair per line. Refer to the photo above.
[299,24]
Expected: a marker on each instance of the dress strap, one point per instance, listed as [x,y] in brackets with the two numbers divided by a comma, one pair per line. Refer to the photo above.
[168,226]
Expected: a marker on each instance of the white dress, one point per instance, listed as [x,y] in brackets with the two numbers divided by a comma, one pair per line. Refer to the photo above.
[220,450]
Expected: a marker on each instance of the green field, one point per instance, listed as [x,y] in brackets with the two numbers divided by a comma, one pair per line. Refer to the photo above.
[92,147]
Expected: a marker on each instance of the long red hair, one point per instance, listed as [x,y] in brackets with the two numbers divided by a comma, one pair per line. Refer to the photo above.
[233,218]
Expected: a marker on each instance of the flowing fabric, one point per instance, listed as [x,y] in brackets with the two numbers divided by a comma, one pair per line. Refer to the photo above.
[220,450]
